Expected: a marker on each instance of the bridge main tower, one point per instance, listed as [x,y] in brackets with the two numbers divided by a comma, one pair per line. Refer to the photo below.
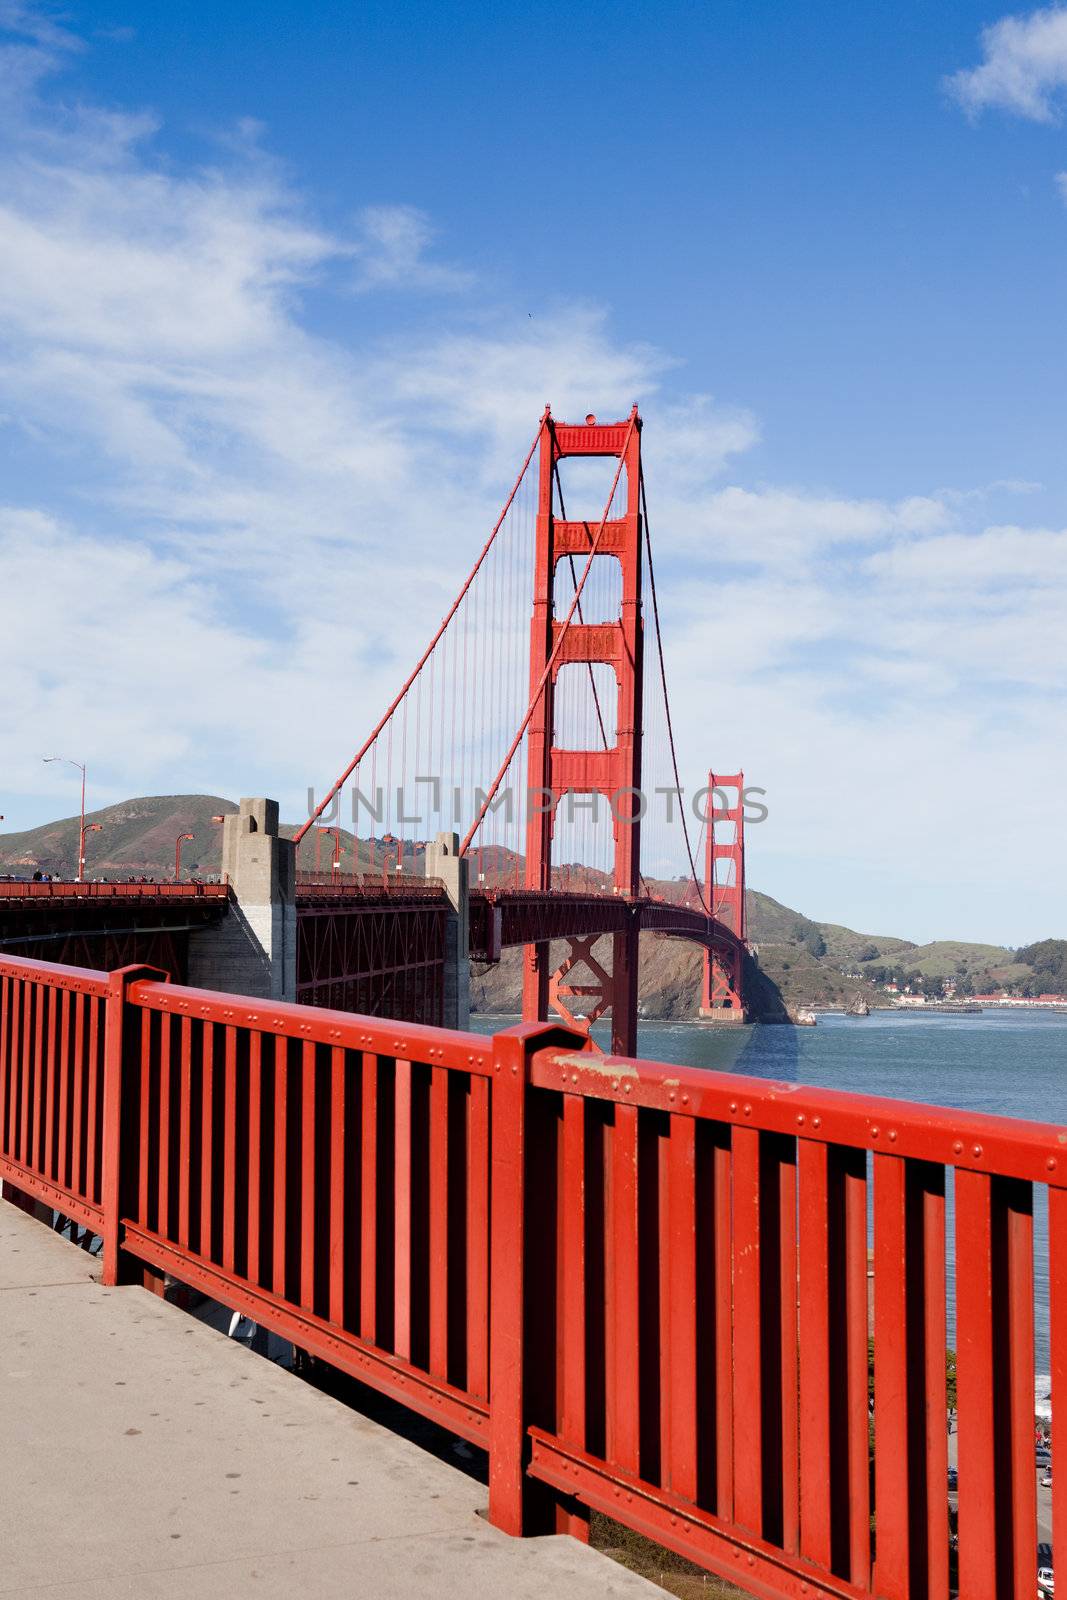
[613,771]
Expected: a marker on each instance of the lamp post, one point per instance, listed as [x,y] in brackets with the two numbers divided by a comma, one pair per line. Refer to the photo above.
[178,854]
[81,831]
[89,827]
[220,819]
[338,852]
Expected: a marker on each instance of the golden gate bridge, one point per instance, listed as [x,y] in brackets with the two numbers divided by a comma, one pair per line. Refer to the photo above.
[538,727]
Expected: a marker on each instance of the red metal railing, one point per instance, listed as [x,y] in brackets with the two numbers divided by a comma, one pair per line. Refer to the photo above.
[52,1026]
[54,890]
[644,1289]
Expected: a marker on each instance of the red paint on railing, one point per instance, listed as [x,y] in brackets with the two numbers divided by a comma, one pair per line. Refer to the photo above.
[643,1289]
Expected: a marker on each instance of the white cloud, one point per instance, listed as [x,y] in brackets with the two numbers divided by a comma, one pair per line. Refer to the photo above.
[238,533]
[391,251]
[1024,69]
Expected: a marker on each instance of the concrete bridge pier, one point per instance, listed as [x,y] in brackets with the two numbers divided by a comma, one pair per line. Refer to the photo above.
[443,861]
[252,950]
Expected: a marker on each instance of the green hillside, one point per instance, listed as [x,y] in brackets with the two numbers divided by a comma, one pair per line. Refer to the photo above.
[136,837]
[847,947]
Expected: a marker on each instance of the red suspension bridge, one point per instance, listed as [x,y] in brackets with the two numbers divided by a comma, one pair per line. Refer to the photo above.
[536,730]
[542,735]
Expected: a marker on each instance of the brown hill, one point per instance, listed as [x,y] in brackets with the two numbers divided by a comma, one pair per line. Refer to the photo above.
[798,961]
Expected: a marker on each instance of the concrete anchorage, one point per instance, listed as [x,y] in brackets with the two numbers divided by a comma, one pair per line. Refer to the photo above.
[444,862]
[252,950]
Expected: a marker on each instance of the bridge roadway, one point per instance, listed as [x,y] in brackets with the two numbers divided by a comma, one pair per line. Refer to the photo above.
[146,1455]
[363,945]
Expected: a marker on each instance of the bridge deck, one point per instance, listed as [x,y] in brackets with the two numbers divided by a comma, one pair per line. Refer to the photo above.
[146,1455]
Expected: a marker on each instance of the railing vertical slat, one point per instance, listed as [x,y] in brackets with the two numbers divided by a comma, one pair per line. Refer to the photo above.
[94,1098]
[747,1326]
[37,1075]
[891,1378]
[79,1179]
[49,1130]
[143,1104]
[29,992]
[722,1186]
[623,1412]
[7,987]
[338,1143]
[815,1479]
[255,1157]
[5,1058]
[976,1379]
[402,1214]
[368,1258]
[307,1174]
[1019,1223]
[163,1191]
[680,1401]
[478,1237]
[573,1285]
[789,1269]
[207,1140]
[185,1151]
[62,1132]
[439,1221]
[857,1314]
[229,1149]
[281,1163]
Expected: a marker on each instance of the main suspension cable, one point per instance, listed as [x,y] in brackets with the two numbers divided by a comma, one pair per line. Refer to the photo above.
[666,699]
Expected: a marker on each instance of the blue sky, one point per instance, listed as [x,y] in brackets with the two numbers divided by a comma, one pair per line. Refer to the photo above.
[283,289]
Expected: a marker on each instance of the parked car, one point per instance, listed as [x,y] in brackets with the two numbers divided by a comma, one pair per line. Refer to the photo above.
[1042,1458]
[953,1478]
[1046,1482]
[1046,1583]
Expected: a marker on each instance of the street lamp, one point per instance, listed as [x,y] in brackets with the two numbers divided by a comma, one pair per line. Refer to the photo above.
[81,831]
[90,827]
[178,854]
[338,852]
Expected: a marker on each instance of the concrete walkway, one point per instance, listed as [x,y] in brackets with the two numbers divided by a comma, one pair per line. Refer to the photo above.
[144,1455]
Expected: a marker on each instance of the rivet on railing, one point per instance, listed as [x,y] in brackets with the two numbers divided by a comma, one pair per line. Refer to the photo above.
[685,1099]
[800,1119]
[733,1105]
[747,1110]
[875,1131]
[816,1122]
[957,1148]
[1051,1163]
[977,1150]
[892,1134]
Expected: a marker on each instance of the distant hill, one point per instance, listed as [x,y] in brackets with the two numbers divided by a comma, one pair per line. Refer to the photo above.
[137,837]
[799,961]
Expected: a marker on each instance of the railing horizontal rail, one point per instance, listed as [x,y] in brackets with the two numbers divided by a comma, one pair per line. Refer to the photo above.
[54,890]
[1008,1146]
